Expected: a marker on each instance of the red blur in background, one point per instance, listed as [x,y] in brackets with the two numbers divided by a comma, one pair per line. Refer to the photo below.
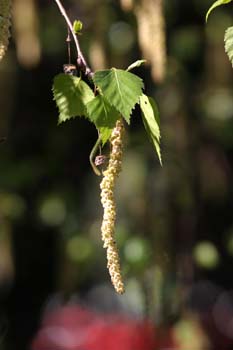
[76,328]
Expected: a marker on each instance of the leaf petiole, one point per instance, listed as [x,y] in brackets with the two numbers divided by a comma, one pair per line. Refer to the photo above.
[92,155]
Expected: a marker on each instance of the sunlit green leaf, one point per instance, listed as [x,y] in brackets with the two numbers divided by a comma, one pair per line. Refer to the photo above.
[71,95]
[216,4]
[103,115]
[122,89]
[150,116]
[228,38]
[136,64]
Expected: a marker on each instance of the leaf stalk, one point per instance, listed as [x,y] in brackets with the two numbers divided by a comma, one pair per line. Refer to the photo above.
[92,155]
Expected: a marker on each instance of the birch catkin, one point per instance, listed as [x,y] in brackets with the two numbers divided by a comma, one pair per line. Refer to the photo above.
[151,35]
[127,5]
[5,22]
[107,199]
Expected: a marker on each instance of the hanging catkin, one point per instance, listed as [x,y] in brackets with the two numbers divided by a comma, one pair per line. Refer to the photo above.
[107,199]
[151,35]
[5,22]
[26,32]
[127,5]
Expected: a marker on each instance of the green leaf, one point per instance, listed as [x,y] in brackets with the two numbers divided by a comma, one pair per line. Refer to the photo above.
[77,26]
[71,95]
[122,89]
[136,64]
[103,115]
[150,116]
[216,4]
[101,112]
[228,38]
[105,134]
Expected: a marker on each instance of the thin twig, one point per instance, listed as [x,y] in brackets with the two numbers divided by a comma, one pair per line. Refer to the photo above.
[80,59]
[68,40]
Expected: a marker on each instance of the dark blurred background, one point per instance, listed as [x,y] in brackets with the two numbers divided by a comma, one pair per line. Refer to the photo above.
[174,224]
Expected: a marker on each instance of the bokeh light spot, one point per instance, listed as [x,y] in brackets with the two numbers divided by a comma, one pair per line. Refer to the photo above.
[136,250]
[79,249]
[206,255]
[121,37]
[52,211]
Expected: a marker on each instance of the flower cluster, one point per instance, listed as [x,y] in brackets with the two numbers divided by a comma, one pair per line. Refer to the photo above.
[5,22]
[107,199]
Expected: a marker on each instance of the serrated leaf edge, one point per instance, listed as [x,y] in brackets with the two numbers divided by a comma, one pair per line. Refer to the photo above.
[109,101]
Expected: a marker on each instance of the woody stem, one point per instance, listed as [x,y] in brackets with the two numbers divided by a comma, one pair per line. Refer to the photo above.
[80,60]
